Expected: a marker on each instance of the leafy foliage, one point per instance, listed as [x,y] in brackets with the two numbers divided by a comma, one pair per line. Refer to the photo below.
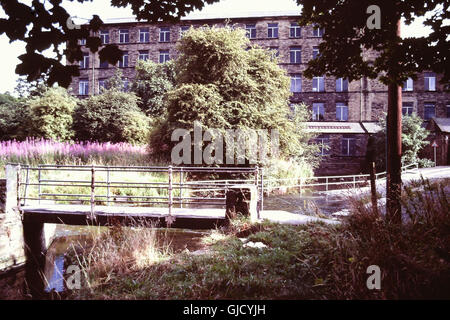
[224,86]
[51,114]
[14,118]
[113,116]
[152,82]
[414,139]
[347,37]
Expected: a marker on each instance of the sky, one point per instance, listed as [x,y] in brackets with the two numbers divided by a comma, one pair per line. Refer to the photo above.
[103,8]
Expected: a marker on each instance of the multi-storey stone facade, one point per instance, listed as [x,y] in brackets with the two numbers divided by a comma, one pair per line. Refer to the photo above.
[332,100]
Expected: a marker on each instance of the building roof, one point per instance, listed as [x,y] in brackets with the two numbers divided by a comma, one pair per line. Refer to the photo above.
[334,127]
[443,124]
[371,127]
[215,16]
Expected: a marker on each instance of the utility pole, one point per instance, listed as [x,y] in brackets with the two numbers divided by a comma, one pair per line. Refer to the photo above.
[394,147]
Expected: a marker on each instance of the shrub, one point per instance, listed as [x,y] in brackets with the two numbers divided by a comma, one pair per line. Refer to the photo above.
[51,114]
[15,120]
[152,82]
[112,116]
[414,139]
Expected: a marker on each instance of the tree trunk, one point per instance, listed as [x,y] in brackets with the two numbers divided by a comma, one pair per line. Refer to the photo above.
[394,150]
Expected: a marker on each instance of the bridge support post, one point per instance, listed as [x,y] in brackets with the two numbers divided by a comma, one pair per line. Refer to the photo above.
[35,250]
[244,200]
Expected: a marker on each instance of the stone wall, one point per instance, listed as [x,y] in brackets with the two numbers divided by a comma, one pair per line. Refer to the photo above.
[334,163]
[11,231]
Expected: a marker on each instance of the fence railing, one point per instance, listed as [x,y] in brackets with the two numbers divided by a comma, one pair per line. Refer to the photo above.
[175,186]
[328,182]
[124,185]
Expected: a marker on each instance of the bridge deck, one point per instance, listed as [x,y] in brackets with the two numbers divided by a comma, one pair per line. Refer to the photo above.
[110,215]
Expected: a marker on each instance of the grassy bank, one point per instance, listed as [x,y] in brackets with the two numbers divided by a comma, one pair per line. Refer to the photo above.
[298,262]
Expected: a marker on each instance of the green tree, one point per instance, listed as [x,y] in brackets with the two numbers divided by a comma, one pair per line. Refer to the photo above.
[51,114]
[223,85]
[414,139]
[152,82]
[14,118]
[350,35]
[112,116]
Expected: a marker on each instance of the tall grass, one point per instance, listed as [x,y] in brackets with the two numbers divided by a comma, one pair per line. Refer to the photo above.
[117,252]
[41,151]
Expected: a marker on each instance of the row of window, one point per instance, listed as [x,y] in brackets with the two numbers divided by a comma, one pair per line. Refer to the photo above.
[348,145]
[295,31]
[429,82]
[164,33]
[164,56]
[83,85]
[429,109]
[295,56]
[318,84]
[144,35]
[318,111]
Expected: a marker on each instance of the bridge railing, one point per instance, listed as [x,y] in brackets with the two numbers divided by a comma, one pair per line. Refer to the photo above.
[125,185]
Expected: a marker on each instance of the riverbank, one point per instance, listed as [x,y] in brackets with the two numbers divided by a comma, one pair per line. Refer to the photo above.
[313,261]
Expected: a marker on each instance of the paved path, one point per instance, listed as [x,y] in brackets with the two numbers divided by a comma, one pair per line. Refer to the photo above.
[285,217]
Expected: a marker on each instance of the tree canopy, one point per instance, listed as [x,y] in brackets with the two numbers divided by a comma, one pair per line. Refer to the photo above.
[223,83]
[347,36]
[151,83]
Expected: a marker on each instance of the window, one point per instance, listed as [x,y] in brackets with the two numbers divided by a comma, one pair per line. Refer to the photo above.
[295,31]
[348,146]
[84,63]
[341,85]
[251,31]
[323,141]
[318,84]
[143,55]
[144,35]
[101,85]
[318,32]
[83,42]
[318,112]
[296,83]
[341,111]
[407,108]
[408,85]
[448,109]
[429,110]
[183,29]
[124,36]
[315,52]
[123,63]
[164,56]
[83,87]
[272,30]
[296,55]
[430,81]
[104,64]
[164,34]
[104,36]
